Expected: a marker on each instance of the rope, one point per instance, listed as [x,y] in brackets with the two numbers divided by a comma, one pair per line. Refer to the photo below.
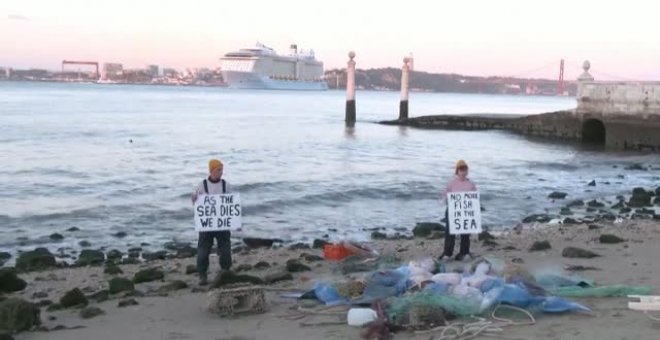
[470,330]
[655,318]
[510,322]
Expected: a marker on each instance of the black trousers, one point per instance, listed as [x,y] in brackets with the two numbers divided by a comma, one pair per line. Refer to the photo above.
[204,245]
[450,240]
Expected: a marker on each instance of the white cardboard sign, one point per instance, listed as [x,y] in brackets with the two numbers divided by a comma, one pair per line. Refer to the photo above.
[464,212]
[218,212]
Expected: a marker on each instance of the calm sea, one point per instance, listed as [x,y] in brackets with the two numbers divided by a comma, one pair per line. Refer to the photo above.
[111,158]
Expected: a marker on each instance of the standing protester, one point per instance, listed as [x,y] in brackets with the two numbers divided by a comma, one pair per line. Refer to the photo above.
[213,185]
[459,184]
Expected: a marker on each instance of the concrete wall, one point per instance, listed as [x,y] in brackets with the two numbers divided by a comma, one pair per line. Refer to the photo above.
[620,115]
[619,98]
[630,112]
[563,124]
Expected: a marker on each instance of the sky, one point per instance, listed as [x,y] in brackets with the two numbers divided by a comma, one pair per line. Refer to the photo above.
[524,38]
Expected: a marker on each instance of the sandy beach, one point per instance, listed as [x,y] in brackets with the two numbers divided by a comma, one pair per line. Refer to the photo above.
[182,314]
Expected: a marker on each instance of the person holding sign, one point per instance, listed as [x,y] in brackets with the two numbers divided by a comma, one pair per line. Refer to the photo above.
[460,184]
[213,185]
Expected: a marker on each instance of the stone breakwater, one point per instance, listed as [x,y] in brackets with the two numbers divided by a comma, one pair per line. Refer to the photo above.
[613,131]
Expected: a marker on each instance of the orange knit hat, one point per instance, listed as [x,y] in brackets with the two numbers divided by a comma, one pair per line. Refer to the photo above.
[214,164]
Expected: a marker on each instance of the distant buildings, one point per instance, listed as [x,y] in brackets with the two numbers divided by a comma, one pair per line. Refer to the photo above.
[115,73]
[112,71]
[5,72]
[152,70]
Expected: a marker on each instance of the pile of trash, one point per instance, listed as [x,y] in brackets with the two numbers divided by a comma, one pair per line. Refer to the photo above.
[425,294]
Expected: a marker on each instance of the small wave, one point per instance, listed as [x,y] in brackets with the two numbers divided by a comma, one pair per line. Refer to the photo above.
[266,186]
[553,166]
[402,192]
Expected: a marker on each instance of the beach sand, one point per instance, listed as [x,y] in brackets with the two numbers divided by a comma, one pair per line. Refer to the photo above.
[183,314]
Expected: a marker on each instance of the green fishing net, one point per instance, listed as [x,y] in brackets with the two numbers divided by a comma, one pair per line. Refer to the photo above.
[602,291]
[400,307]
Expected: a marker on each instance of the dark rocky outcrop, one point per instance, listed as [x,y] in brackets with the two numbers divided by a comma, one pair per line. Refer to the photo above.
[38,259]
[299,246]
[158,255]
[243,268]
[610,239]
[574,252]
[114,255]
[191,269]
[172,286]
[10,282]
[112,269]
[127,302]
[557,195]
[311,258]
[100,296]
[541,218]
[17,315]
[319,244]
[595,204]
[294,266]
[540,246]
[278,277]
[637,167]
[229,277]
[56,237]
[73,298]
[148,275]
[262,265]
[90,257]
[575,204]
[254,242]
[425,229]
[640,198]
[120,284]
[486,236]
[91,312]
[620,205]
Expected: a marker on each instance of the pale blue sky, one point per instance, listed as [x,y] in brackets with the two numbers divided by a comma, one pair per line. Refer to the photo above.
[622,39]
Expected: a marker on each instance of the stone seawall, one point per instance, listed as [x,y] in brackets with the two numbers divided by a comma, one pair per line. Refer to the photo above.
[613,131]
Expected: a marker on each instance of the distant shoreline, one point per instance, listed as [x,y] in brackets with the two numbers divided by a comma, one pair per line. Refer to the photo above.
[97,83]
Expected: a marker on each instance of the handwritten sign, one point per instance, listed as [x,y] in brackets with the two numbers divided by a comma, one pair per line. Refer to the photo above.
[218,212]
[464,212]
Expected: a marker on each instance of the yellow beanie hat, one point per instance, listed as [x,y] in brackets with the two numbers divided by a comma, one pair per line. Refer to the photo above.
[214,164]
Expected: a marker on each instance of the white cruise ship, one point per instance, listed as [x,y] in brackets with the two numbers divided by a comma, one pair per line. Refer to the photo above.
[262,68]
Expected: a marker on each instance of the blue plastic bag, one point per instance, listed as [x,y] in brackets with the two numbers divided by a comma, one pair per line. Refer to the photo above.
[382,285]
[328,294]
[436,288]
[553,304]
[518,296]
[488,285]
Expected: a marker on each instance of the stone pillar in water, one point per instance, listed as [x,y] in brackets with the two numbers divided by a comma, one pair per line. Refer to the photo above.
[350,90]
[405,87]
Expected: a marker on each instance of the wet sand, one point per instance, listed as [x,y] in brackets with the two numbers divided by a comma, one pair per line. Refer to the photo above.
[183,315]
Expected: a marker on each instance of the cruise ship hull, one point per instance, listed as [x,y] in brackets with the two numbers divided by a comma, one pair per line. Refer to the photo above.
[250,80]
